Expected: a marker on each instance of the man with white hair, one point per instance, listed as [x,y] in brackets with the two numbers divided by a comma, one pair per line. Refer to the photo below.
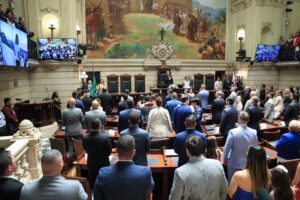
[95,113]
[52,185]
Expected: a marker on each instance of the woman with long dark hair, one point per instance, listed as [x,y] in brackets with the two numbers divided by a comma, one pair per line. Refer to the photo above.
[57,106]
[244,184]
[280,181]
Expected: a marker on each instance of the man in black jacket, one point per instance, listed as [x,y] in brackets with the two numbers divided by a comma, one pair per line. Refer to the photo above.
[292,110]
[217,108]
[10,189]
[229,118]
[98,147]
[106,101]
[255,114]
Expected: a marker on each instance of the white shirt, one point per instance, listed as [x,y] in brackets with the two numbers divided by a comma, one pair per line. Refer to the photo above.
[2,120]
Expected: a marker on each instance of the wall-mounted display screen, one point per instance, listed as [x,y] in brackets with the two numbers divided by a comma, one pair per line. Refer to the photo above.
[57,49]
[13,46]
[267,53]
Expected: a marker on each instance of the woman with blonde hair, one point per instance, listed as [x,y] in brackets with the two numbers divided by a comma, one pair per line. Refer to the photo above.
[288,146]
[245,184]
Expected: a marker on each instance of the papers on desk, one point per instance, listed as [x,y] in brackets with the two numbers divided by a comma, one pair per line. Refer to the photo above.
[170,153]
[209,127]
[263,125]
[111,133]
[281,124]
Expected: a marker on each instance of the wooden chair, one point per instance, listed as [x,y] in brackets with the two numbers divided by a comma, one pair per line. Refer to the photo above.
[210,81]
[60,145]
[198,81]
[125,83]
[85,184]
[78,148]
[271,135]
[291,166]
[159,143]
[113,83]
[139,83]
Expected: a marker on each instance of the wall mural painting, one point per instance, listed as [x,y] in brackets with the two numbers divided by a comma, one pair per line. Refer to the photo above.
[126,28]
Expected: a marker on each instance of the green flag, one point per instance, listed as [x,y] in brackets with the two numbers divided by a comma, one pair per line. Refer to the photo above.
[93,89]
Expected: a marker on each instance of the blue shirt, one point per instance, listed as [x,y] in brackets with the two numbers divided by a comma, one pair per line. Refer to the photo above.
[288,146]
[170,106]
[203,96]
[179,144]
[180,113]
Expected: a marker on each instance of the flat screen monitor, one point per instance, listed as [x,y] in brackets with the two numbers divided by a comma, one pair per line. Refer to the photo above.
[57,49]
[267,53]
[13,46]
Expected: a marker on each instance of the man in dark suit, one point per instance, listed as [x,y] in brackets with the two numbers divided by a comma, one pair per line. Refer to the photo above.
[255,114]
[10,188]
[229,118]
[78,103]
[217,108]
[124,180]
[141,137]
[292,110]
[179,142]
[106,101]
[123,116]
[95,113]
[180,113]
[98,147]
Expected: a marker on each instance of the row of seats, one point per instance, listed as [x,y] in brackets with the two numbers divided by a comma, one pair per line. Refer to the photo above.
[125,83]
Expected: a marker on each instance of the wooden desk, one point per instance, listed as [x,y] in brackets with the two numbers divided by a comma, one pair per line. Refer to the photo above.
[214,132]
[158,163]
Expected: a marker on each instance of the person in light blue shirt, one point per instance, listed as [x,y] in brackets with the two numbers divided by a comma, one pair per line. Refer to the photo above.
[203,95]
[3,131]
[237,144]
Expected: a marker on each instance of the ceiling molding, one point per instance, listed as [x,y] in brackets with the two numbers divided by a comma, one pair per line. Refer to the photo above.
[238,5]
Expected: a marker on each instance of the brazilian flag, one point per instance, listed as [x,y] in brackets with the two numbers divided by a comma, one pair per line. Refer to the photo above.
[93,89]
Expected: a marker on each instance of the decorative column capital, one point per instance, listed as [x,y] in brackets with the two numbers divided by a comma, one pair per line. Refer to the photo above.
[27,131]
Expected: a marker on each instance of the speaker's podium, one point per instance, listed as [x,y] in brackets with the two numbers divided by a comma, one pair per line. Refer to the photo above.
[162,77]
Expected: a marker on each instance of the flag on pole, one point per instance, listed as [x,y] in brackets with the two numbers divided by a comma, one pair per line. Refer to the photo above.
[93,88]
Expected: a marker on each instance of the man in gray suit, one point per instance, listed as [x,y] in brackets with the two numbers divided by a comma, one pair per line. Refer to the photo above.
[52,185]
[93,114]
[237,144]
[200,178]
[72,118]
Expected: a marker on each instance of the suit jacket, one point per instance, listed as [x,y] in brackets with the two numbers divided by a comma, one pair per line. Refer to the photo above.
[159,123]
[291,112]
[10,189]
[79,104]
[217,109]
[179,144]
[237,144]
[203,95]
[288,146]
[95,113]
[170,106]
[255,114]
[106,102]
[180,113]
[123,119]
[72,119]
[98,147]
[269,109]
[53,188]
[229,118]
[142,144]
[125,181]
[87,102]
[200,178]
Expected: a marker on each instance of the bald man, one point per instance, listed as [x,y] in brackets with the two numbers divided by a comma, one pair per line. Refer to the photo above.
[93,114]
[72,118]
[52,185]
